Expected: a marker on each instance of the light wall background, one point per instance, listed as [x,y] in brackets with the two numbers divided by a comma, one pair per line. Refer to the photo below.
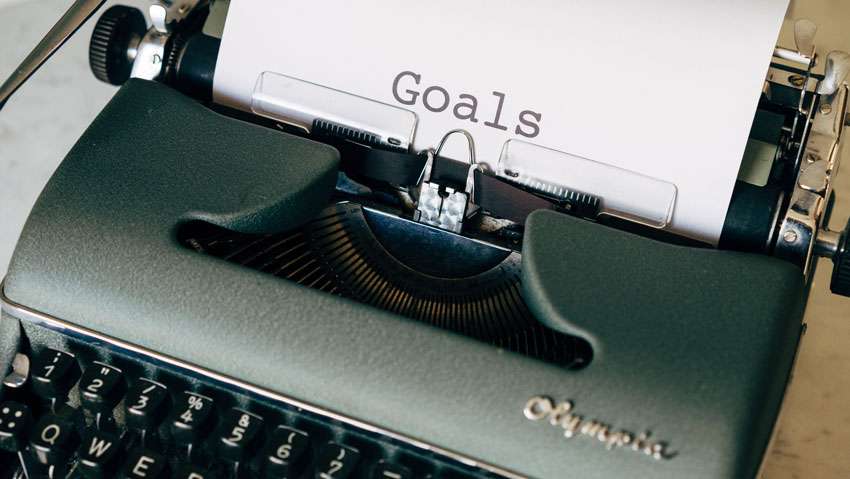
[41,123]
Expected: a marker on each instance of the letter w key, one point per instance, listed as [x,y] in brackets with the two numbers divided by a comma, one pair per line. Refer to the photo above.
[98,453]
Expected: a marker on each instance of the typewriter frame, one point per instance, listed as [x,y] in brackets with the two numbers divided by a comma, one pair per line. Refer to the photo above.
[284,320]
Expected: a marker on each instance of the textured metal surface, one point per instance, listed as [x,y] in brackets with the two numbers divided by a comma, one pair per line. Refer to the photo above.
[17,312]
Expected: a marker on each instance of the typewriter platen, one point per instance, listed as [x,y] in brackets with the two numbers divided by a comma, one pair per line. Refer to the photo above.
[179,306]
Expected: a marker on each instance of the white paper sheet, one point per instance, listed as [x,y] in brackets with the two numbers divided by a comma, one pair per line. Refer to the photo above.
[665,88]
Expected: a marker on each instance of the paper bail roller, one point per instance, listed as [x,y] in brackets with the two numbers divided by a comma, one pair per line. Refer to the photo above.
[623,193]
[326,111]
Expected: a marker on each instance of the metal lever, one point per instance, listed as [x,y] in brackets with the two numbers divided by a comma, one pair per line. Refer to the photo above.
[804,36]
[804,41]
[17,378]
[837,69]
[71,21]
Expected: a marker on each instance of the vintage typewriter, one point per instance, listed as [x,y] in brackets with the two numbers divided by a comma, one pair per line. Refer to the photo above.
[180,305]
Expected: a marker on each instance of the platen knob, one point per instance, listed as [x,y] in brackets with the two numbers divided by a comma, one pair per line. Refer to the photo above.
[113,43]
[840,283]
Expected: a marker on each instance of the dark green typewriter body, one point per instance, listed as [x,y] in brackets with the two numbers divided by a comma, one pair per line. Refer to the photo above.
[189,297]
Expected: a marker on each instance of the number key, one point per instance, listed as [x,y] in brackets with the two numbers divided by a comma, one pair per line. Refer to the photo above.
[285,453]
[238,432]
[190,418]
[101,388]
[146,405]
[336,462]
[54,373]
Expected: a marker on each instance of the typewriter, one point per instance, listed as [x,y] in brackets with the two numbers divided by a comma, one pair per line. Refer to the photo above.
[181,306]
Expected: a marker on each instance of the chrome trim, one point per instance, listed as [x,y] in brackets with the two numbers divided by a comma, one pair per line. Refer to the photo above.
[150,55]
[38,318]
[837,70]
[819,161]
[793,56]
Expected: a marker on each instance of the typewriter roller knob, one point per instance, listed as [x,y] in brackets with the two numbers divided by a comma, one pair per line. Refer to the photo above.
[840,283]
[836,245]
[113,43]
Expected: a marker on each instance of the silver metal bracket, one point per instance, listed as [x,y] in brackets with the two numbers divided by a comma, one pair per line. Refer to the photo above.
[150,53]
[175,11]
[803,234]
[804,39]
[443,206]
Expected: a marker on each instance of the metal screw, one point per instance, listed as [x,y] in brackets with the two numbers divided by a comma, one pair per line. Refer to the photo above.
[790,236]
[826,109]
[797,80]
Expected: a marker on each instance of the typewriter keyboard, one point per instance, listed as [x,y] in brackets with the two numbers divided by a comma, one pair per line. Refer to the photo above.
[76,408]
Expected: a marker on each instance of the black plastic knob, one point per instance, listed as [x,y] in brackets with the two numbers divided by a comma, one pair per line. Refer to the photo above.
[115,37]
[840,283]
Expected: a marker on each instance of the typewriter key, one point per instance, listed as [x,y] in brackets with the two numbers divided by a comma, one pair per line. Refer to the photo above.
[101,388]
[53,440]
[145,464]
[336,462]
[54,374]
[285,453]
[14,421]
[98,454]
[145,405]
[190,471]
[238,432]
[385,470]
[191,418]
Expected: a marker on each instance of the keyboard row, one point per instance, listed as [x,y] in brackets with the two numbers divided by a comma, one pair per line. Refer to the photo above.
[60,419]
